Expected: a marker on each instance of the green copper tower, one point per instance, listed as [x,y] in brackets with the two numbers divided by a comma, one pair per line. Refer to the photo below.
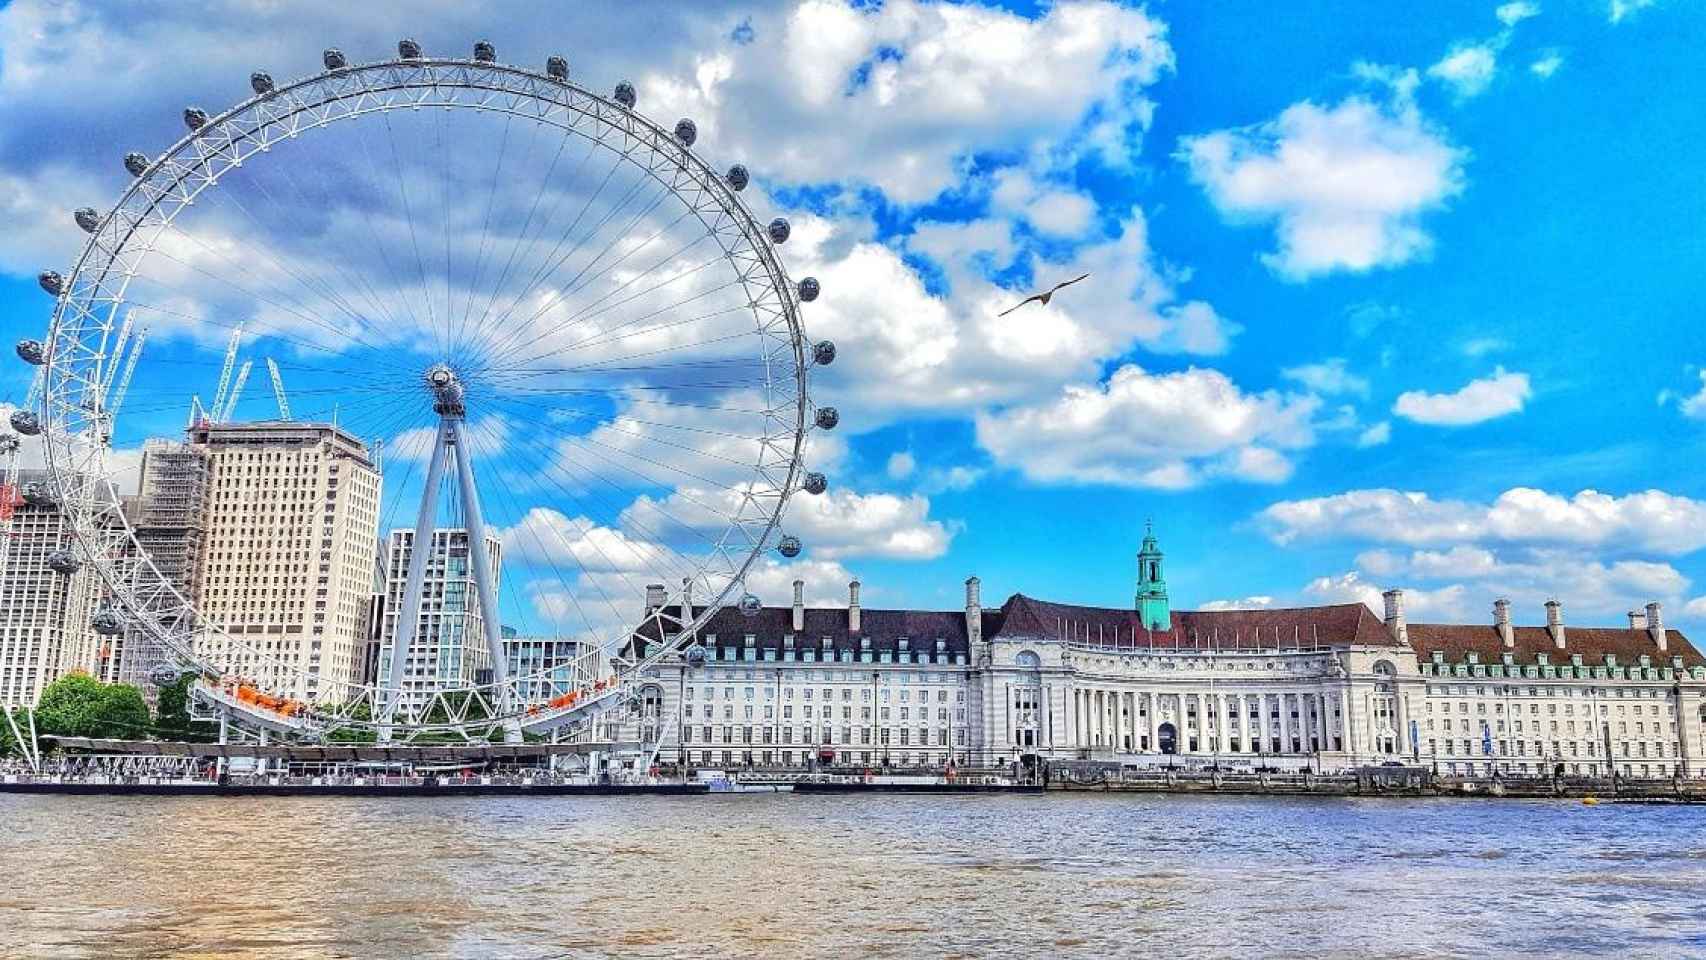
[1152,606]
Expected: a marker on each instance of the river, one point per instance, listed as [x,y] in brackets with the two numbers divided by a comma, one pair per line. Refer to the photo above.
[1090,875]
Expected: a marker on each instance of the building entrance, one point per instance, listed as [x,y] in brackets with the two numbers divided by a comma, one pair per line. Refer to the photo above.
[1168,735]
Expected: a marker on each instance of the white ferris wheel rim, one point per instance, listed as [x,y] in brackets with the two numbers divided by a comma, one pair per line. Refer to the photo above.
[76,431]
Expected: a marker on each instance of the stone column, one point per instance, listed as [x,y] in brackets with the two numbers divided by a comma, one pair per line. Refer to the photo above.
[1225,724]
[1155,722]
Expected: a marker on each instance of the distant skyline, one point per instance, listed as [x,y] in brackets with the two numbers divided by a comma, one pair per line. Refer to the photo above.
[1372,302]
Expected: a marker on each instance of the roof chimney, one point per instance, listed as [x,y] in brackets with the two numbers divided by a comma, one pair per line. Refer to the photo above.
[1656,625]
[654,596]
[1637,620]
[1395,625]
[799,605]
[1502,620]
[853,607]
[1555,622]
[974,609]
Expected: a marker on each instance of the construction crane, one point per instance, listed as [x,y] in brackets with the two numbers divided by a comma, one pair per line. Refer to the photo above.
[278,390]
[129,371]
[225,373]
[223,415]
[117,354]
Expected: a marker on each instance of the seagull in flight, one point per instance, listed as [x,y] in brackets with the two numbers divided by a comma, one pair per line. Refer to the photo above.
[1043,297]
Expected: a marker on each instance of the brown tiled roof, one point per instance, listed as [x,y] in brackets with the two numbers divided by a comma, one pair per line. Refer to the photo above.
[1457,641]
[884,628]
[1343,623]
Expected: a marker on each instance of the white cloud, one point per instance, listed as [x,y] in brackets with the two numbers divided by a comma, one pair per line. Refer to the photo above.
[1547,64]
[1649,521]
[1350,587]
[578,544]
[1258,602]
[1328,377]
[1467,69]
[1375,435]
[1510,14]
[1052,210]
[1481,346]
[1499,395]
[1345,186]
[901,464]
[1696,607]
[1695,405]
[1529,577]
[1620,9]
[1140,429]
[839,523]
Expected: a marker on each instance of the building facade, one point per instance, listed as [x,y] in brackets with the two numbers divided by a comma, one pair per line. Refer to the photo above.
[1324,688]
[44,614]
[290,522]
[447,645]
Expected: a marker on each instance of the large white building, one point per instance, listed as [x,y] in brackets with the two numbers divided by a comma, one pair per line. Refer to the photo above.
[44,614]
[1324,688]
[290,523]
[447,645]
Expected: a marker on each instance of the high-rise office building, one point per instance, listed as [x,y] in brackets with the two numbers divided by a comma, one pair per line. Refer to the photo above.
[289,518]
[44,613]
[448,646]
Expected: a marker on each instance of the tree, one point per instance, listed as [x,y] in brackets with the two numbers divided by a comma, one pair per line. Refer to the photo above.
[78,705]
[172,714]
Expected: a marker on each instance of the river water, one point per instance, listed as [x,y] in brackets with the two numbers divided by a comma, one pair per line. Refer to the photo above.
[1091,875]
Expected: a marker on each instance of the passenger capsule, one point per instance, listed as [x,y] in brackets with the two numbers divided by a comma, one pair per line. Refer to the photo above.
[778,230]
[557,68]
[408,50]
[625,94]
[789,546]
[32,352]
[816,483]
[695,655]
[334,59]
[87,218]
[26,423]
[51,282]
[107,623]
[136,163]
[163,675]
[260,82]
[737,178]
[62,561]
[485,52]
[827,417]
[750,606]
[38,494]
[809,289]
[823,352]
[686,132]
[195,118]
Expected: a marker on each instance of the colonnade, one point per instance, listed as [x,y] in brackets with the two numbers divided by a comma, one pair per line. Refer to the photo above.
[1126,720]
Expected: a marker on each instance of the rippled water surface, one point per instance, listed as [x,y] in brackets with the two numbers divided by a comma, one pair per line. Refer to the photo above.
[780,876]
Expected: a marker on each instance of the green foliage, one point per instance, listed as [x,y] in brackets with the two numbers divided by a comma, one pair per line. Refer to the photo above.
[172,713]
[78,705]
[8,743]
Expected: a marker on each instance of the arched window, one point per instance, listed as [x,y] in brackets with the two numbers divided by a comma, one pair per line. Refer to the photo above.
[1027,659]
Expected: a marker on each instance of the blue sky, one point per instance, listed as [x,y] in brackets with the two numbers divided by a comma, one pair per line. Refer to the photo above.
[1374,301]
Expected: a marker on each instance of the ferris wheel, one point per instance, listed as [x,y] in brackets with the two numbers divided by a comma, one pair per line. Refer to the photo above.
[550,349]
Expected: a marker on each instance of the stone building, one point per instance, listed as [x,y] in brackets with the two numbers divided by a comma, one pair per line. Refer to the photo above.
[1322,688]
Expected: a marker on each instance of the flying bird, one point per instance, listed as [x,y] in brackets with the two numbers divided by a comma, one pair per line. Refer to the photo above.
[1043,297]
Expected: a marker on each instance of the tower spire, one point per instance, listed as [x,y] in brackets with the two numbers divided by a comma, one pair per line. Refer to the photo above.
[1152,606]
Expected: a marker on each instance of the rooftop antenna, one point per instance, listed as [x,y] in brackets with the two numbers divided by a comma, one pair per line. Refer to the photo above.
[278,390]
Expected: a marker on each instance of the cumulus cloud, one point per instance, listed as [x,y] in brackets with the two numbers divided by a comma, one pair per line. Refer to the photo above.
[1499,395]
[1467,69]
[1620,10]
[1052,210]
[900,465]
[1546,64]
[840,523]
[1330,376]
[1694,405]
[1345,185]
[1510,14]
[1141,429]
[1258,602]
[1376,435]
[1651,521]
[1351,587]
